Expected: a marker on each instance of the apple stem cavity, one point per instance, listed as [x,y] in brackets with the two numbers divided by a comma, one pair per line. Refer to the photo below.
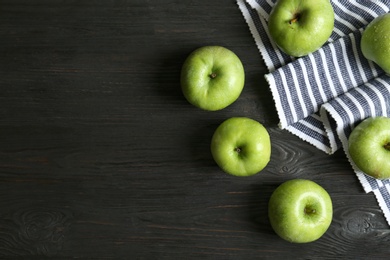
[238,150]
[387,146]
[213,75]
[295,18]
[309,211]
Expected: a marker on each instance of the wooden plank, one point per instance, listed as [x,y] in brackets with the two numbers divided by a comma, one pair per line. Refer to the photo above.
[102,157]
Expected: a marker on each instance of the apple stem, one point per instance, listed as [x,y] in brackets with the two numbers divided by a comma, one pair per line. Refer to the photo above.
[213,75]
[238,149]
[295,18]
[309,211]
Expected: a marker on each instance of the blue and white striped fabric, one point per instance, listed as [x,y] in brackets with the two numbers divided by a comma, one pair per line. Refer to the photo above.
[321,97]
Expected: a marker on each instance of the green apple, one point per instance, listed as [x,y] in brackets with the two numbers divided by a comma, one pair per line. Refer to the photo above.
[375,43]
[241,146]
[212,77]
[369,146]
[300,211]
[299,27]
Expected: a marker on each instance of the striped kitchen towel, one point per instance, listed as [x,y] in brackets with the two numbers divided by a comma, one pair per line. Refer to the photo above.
[321,97]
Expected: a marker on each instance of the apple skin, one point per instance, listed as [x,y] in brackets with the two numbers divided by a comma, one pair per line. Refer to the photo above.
[212,77]
[300,211]
[241,146]
[369,147]
[301,27]
[375,42]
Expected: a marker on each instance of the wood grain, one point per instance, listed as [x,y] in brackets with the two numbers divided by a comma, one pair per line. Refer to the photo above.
[102,157]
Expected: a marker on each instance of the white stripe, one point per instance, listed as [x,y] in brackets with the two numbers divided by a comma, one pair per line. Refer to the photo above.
[318,118]
[326,69]
[357,104]
[383,102]
[364,8]
[342,7]
[347,110]
[313,127]
[319,145]
[345,22]
[270,2]
[328,129]
[382,5]
[297,88]
[370,62]
[288,95]
[379,95]
[254,4]
[339,123]
[361,176]
[339,32]
[276,48]
[387,188]
[347,64]
[307,83]
[256,35]
[368,99]
[356,54]
[315,116]
[262,13]
[318,80]
[382,204]
[373,69]
[338,69]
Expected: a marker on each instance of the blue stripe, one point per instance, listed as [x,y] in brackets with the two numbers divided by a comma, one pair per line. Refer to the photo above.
[265,39]
[355,40]
[342,112]
[333,128]
[362,102]
[378,10]
[333,70]
[373,183]
[342,64]
[343,28]
[304,90]
[322,75]
[310,132]
[352,106]
[312,126]
[351,19]
[384,90]
[264,4]
[298,107]
[363,61]
[310,74]
[385,195]
[283,98]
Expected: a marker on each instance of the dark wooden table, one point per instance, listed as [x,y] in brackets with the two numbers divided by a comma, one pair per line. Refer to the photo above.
[102,157]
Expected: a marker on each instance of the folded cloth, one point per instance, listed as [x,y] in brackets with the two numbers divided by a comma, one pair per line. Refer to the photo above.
[321,97]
